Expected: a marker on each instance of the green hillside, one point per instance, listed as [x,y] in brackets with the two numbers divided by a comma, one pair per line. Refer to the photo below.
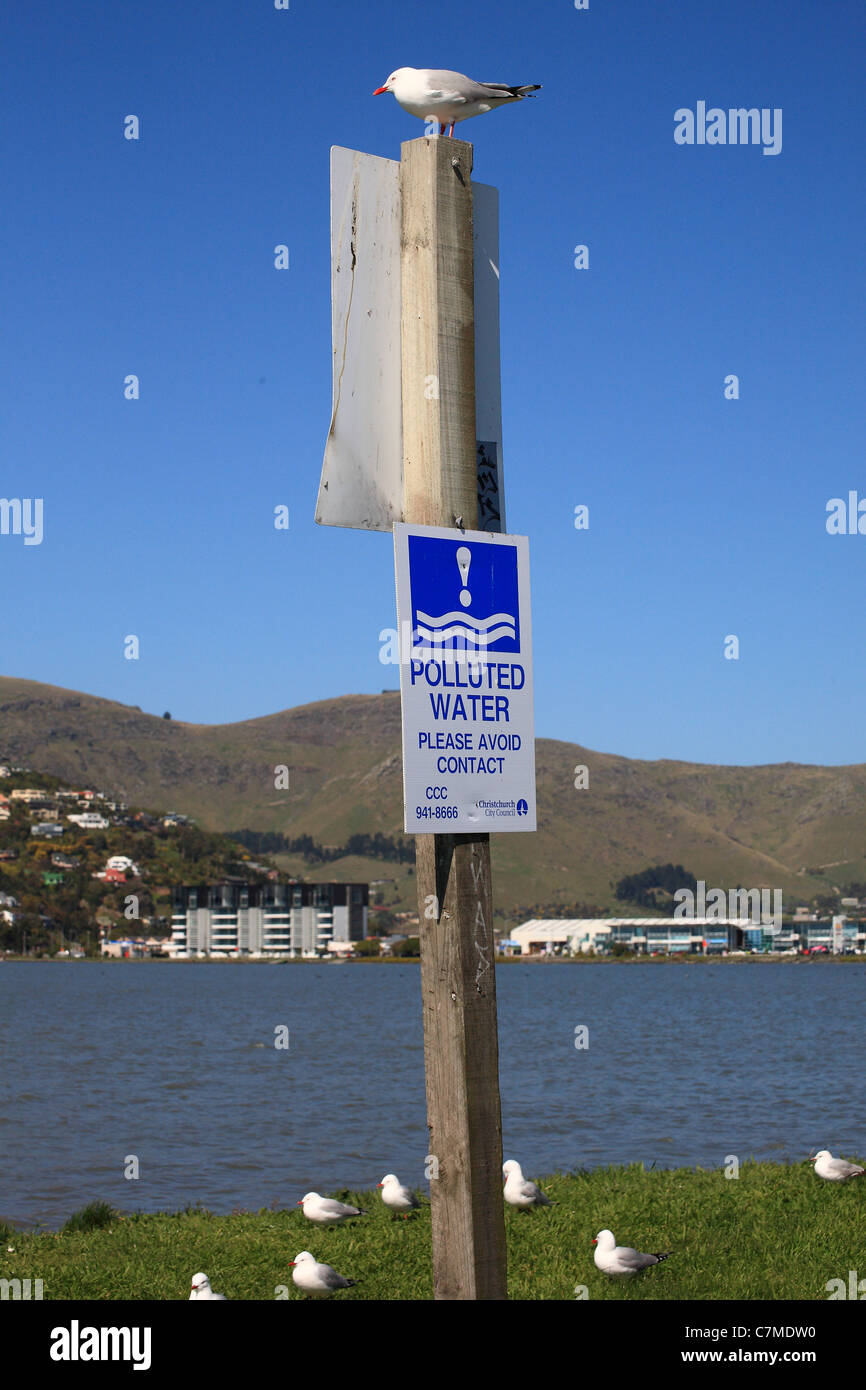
[56,891]
[789,826]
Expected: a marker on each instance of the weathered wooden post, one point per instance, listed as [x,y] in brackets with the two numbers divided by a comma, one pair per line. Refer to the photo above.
[453,871]
[414,448]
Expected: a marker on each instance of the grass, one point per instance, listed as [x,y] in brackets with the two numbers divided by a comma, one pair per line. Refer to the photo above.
[91,1218]
[776,1232]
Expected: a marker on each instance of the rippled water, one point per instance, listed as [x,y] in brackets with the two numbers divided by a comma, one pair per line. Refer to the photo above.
[176,1063]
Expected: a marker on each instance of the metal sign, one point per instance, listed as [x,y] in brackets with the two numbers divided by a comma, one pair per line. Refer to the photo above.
[465,680]
[362,472]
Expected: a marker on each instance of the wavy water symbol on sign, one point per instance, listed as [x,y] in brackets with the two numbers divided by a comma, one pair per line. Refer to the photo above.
[471,633]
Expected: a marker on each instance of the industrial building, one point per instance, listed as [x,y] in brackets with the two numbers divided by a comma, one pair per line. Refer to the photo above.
[706,935]
[267,920]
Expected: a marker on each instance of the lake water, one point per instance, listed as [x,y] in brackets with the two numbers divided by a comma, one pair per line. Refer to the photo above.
[176,1064]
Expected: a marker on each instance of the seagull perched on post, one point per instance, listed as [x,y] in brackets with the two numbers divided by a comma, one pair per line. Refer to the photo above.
[835,1169]
[436,94]
[519,1191]
[611,1258]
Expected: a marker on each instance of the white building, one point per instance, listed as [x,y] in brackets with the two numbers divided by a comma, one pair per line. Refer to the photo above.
[7,904]
[123,863]
[560,936]
[271,919]
[666,935]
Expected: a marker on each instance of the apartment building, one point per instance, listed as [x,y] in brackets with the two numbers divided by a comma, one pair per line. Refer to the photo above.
[272,919]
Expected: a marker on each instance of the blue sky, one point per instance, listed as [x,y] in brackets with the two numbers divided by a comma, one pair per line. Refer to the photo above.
[155,257]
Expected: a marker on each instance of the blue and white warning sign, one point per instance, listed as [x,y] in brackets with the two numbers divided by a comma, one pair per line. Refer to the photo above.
[465,680]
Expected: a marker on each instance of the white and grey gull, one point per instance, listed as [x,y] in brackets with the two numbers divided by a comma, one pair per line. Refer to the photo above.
[520,1191]
[317,1280]
[201,1291]
[327,1211]
[611,1258]
[437,94]
[835,1169]
[397,1195]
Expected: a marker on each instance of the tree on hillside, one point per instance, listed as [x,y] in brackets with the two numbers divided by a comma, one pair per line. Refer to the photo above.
[654,887]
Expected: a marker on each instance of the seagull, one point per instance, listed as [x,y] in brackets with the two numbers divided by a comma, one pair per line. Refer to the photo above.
[611,1258]
[200,1289]
[397,1196]
[519,1191]
[435,94]
[835,1169]
[319,1281]
[326,1211]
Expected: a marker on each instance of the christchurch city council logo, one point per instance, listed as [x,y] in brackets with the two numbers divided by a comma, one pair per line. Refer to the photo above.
[522,807]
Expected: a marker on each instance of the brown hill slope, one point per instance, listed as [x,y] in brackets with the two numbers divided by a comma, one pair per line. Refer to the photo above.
[749,825]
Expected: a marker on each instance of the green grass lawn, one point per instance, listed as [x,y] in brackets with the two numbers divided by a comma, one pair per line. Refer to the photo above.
[776,1232]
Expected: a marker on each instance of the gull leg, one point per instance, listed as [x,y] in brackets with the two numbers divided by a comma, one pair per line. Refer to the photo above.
[442,127]
[451,131]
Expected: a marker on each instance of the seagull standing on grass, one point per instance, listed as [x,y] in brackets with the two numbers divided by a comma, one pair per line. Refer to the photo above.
[326,1211]
[201,1290]
[319,1281]
[519,1191]
[835,1169]
[397,1195]
[436,94]
[611,1258]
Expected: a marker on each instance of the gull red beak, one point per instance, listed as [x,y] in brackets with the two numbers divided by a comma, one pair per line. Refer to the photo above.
[593,1241]
[299,1203]
[379,1184]
[379,90]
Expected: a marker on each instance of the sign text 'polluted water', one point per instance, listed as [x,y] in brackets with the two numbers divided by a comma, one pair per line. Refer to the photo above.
[465,680]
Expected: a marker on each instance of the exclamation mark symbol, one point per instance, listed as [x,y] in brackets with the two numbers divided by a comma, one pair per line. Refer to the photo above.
[464,560]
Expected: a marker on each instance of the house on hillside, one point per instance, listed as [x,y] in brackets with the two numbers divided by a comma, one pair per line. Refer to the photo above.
[124,863]
[7,905]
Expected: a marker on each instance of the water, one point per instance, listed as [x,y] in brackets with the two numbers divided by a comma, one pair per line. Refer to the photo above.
[176,1064]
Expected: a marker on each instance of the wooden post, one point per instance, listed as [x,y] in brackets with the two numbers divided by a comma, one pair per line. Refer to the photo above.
[455,900]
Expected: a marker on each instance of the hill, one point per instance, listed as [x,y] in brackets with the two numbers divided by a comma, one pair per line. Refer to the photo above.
[63,877]
[796,827]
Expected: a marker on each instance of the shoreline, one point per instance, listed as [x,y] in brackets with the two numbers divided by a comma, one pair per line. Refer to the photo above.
[669,959]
